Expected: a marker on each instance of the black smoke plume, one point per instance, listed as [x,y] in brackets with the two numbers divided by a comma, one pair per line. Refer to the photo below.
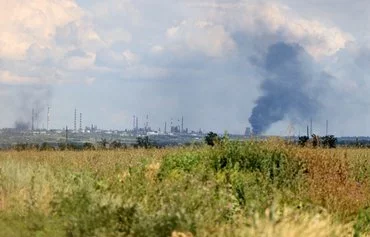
[286,88]
[36,98]
[22,126]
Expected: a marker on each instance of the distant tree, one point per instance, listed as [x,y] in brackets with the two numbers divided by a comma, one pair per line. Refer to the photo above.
[104,143]
[211,138]
[88,146]
[143,142]
[46,147]
[302,141]
[329,141]
[116,145]
[315,140]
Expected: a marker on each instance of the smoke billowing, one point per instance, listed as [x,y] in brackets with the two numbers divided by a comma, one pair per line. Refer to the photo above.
[286,89]
[21,126]
[30,98]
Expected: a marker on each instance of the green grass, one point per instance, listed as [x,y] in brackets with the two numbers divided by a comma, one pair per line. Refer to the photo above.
[232,189]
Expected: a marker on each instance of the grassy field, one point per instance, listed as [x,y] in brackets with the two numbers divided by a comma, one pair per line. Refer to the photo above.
[232,189]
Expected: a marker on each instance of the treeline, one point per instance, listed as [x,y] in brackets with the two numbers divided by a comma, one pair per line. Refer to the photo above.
[329,141]
[104,144]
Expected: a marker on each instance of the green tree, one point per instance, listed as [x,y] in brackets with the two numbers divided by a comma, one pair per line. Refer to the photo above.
[144,142]
[211,139]
[329,141]
[302,141]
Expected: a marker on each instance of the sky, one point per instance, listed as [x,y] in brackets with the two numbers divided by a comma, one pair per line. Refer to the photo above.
[205,60]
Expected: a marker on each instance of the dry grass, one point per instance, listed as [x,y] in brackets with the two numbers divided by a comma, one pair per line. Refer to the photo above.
[36,173]
[337,180]
[332,179]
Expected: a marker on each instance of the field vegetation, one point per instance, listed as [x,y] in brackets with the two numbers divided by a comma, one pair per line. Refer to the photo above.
[233,188]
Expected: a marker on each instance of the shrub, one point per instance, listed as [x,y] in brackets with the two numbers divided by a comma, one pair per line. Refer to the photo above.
[362,224]
[144,142]
[329,141]
[88,146]
[211,139]
[302,141]
[116,145]
[274,164]
[180,162]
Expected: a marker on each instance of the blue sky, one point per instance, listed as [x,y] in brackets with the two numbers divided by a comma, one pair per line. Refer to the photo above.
[170,58]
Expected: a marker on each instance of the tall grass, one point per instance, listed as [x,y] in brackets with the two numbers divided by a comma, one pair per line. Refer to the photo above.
[232,189]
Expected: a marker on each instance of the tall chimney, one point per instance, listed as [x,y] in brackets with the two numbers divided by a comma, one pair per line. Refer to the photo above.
[147,123]
[134,123]
[182,124]
[48,119]
[80,122]
[75,121]
[311,129]
[327,127]
[33,120]
[308,132]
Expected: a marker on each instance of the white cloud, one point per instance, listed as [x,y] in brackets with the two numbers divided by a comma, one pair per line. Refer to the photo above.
[10,78]
[79,35]
[157,49]
[266,18]
[200,36]
[130,57]
[25,22]
[81,62]
[318,39]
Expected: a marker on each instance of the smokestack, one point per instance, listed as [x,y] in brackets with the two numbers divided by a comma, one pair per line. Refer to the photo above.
[134,123]
[327,127]
[33,120]
[182,124]
[75,121]
[311,129]
[147,123]
[48,119]
[137,123]
[80,122]
[308,132]
[165,128]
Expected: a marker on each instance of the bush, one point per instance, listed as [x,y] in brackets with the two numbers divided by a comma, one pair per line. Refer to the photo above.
[329,141]
[144,142]
[88,146]
[362,224]
[46,147]
[185,162]
[116,145]
[275,164]
[302,141]
[211,139]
